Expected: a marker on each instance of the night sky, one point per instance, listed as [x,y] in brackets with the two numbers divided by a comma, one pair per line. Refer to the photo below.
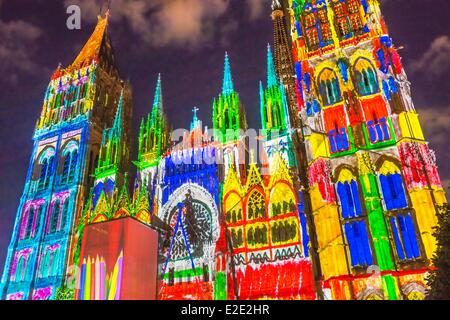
[185,41]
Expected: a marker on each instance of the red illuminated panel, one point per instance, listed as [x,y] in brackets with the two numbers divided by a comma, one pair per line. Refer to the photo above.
[118,261]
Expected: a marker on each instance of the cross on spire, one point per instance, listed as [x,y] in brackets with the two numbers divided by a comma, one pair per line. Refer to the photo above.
[194,121]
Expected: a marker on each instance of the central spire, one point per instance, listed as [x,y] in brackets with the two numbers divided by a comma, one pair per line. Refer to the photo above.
[271,73]
[227,79]
[157,101]
[117,126]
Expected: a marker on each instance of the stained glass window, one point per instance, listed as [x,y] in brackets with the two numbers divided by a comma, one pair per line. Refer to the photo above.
[405,236]
[354,224]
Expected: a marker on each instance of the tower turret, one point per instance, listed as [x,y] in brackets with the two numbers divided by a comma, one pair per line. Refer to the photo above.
[284,61]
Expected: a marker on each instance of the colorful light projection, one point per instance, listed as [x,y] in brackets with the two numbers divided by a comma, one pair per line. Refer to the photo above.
[118,261]
[368,160]
[267,228]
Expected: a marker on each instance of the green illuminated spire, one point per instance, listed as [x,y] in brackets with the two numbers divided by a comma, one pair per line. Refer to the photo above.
[273,103]
[153,132]
[116,130]
[271,73]
[112,144]
[262,107]
[228,112]
[157,101]
[227,79]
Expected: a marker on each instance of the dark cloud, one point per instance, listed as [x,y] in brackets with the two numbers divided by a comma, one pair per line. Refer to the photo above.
[183,23]
[18,43]
[435,62]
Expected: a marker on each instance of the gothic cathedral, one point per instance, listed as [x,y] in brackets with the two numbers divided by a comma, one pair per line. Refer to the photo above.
[339,203]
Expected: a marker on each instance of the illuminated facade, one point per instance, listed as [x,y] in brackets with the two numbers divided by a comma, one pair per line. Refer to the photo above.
[340,205]
[373,180]
[79,101]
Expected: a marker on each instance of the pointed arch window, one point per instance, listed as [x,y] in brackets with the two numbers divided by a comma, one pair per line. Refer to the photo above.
[339,140]
[256,206]
[348,18]
[64,215]
[393,191]
[54,217]
[342,19]
[46,162]
[355,16]
[20,269]
[354,223]
[378,130]
[405,236]
[45,263]
[70,155]
[329,87]
[311,29]
[30,221]
[317,27]
[366,77]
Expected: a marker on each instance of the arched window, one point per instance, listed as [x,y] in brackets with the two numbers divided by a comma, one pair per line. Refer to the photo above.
[256,206]
[54,217]
[378,130]
[355,16]
[401,221]
[70,155]
[353,221]
[366,77]
[338,140]
[348,18]
[20,272]
[344,29]
[46,162]
[65,214]
[282,200]
[393,191]
[45,263]
[329,87]
[405,237]
[54,263]
[311,29]
[30,220]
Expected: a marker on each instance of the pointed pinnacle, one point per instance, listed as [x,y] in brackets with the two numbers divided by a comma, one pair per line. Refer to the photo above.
[271,73]
[227,78]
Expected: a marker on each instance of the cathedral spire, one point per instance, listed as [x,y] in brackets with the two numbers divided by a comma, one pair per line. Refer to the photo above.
[228,111]
[227,79]
[116,130]
[92,48]
[157,101]
[271,73]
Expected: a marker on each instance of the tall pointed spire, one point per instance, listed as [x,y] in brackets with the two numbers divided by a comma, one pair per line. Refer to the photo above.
[157,101]
[91,49]
[271,73]
[227,79]
[116,130]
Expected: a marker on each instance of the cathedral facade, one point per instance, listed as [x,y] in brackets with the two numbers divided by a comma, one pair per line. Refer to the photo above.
[336,197]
